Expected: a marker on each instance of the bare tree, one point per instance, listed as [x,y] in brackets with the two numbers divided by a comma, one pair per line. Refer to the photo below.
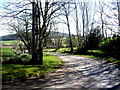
[18,19]
[66,10]
[112,16]
[22,33]
[85,18]
[102,11]
[77,25]
[42,15]
[118,10]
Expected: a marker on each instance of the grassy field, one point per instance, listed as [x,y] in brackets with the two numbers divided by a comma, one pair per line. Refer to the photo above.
[6,49]
[7,53]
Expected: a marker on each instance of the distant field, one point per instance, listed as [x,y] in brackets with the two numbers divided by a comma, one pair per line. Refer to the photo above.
[6,53]
[9,43]
[6,48]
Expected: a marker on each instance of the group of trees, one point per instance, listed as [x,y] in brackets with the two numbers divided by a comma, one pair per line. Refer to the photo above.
[33,21]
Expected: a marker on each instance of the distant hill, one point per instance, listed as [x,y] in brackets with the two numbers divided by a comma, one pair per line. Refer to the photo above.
[7,38]
[52,35]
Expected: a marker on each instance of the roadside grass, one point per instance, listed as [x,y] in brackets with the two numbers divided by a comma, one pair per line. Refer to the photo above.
[18,72]
[96,51]
[101,55]
[48,50]
[97,54]
[61,50]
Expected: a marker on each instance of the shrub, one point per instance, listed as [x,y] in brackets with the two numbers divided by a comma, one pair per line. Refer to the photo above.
[82,50]
[94,38]
[111,47]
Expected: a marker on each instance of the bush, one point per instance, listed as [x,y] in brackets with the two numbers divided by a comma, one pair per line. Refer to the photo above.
[82,50]
[111,47]
[94,38]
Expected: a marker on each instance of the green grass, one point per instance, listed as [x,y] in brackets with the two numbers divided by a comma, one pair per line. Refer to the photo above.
[6,53]
[101,55]
[90,56]
[96,51]
[13,72]
[61,50]
[49,50]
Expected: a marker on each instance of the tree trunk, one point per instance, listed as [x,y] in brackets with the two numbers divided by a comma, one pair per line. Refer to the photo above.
[83,21]
[37,51]
[40,56]
[78,36]
[71,46]
[33,33]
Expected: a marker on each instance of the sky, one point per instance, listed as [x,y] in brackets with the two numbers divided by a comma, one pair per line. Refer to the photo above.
[3,28]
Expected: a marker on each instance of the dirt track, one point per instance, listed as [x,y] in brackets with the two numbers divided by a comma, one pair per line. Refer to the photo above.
[77,72]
